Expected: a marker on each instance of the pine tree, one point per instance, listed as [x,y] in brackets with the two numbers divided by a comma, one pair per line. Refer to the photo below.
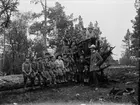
[136,34]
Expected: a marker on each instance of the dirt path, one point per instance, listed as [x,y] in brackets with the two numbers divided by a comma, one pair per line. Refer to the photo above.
[62,94]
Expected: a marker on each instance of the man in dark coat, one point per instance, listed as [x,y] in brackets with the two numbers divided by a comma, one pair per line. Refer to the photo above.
[95,59]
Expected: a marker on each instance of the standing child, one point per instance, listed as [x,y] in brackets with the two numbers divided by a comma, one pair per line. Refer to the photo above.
[86,73]
[60,67]
[27,72]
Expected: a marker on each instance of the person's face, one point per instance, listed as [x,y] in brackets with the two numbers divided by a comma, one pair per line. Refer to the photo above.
[73,43]
[90,30]
[86,67]
[46,59]
[53,59]
[81,57]
[65,56]
[27,60]
[59,57]
[92,49]
[40,60]
[34,60]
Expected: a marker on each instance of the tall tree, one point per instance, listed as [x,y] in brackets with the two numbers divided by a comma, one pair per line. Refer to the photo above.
[17,38]
[136,34]
[126,55]
[45,14]
[57,21]
[7,8]
[127,40]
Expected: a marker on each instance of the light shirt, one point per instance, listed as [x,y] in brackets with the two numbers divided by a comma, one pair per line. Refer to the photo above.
[59,63]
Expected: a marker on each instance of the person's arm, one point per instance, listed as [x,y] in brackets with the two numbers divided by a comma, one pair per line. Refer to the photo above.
[43,66]
[68,63]
[37,67]
[23,69]
[62,63]
[86,62]
[30,69]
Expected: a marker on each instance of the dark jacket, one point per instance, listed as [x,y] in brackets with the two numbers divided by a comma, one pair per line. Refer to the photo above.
[81,64]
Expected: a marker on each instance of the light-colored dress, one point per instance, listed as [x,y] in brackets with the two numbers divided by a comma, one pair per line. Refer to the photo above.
[60,66]
[66,64]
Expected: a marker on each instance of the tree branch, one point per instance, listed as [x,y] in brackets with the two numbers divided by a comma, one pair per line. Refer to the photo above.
[42,4]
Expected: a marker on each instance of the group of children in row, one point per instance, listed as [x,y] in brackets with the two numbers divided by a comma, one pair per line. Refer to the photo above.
[50,70]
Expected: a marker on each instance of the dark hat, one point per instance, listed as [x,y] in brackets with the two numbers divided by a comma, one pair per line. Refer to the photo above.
[47,53]
[51,56]
[39,58]
[57,55]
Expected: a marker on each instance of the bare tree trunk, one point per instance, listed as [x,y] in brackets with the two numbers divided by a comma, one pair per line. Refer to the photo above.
[45,18]
[4,49]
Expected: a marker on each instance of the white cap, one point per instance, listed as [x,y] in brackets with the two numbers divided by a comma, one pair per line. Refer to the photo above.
[92,46]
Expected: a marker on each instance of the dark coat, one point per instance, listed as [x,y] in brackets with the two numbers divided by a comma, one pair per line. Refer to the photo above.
[81,64]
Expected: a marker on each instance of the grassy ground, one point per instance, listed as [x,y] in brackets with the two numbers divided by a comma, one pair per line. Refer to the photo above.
[74,94]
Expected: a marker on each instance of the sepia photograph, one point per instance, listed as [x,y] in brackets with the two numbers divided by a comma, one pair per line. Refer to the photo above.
[69,52]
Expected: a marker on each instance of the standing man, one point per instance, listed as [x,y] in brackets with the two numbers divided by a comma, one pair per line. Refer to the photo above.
[95,59]
[27,72]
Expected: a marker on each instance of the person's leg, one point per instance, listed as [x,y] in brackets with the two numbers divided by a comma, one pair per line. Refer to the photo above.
[75,76]
[61,75]
[54,76]
[96,80]
[90,77]
[80,77]
[65,76]
[31,80]
[43,76]
[39,78]
[25,80]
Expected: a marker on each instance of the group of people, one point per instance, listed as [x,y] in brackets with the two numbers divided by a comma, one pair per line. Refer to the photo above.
[49,70]
[61,69]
